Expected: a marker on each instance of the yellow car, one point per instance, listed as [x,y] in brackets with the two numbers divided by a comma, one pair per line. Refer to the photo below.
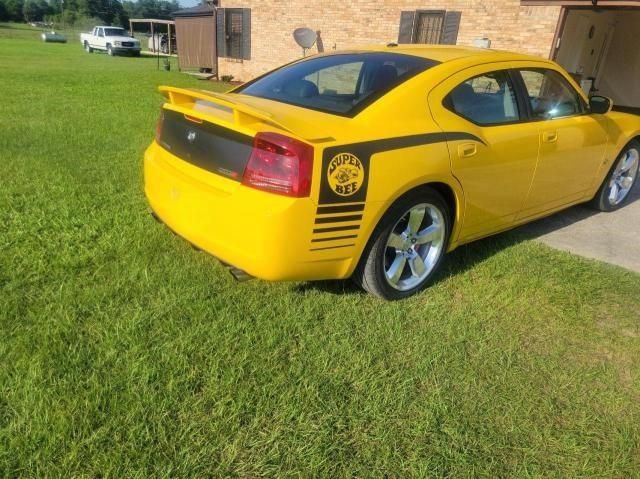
[374,163]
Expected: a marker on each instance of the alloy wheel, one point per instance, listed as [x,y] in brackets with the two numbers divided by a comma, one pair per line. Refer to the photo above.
[414,246]
[623,176]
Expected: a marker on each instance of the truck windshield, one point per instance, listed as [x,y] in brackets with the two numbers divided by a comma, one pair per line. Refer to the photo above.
[343,84]
[115,32]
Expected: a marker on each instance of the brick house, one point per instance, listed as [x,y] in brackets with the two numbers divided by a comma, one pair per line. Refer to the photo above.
[595,40]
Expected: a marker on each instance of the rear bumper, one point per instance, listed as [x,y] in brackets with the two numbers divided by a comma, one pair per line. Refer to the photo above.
[266,235]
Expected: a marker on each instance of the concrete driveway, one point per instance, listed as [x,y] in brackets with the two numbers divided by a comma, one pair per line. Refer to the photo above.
[611,237]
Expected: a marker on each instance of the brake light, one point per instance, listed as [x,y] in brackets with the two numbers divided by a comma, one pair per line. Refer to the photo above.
[279,164]
[159,125]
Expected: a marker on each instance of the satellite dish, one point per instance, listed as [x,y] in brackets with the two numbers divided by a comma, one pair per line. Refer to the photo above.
[305,37]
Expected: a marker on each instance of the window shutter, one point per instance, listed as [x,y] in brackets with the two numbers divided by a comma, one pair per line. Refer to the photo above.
[405,34]
[221,34]
[450,28]
[246,33]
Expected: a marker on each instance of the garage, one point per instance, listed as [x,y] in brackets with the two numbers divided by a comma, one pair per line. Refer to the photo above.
[598,45]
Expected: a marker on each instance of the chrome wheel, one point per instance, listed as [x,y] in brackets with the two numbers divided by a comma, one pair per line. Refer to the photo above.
[623,176]
[414,246]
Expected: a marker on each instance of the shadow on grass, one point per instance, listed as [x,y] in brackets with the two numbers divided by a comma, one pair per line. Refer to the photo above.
[467,256]
[18,26]
[457,262]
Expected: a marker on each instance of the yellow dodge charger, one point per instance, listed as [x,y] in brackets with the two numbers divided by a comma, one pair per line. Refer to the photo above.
[373,163]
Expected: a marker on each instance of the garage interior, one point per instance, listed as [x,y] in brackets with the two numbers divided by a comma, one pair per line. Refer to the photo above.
[600,48]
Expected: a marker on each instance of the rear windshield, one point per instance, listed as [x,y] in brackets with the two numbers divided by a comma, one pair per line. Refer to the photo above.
[343,84]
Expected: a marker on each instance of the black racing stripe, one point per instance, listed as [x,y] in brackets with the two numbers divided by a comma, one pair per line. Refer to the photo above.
[324,210]
[461,135]
[333,247]
[338,219]
[336,228]
[335,238]
[366,149]
[378,146]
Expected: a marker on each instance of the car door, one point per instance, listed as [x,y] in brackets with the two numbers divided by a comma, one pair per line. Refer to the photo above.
[495,156]
[100,40]
[572,142]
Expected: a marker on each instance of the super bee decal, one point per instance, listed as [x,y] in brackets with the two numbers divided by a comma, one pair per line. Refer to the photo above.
[345,174]
[346,167]
[344,182]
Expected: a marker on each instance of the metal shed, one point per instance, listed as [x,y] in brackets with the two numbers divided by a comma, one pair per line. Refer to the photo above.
[196,37]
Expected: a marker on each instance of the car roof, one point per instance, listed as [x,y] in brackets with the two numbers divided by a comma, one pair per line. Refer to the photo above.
[446,53]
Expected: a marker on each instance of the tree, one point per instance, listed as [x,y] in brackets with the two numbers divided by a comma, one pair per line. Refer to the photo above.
[109,11]
[31,11]
[35,10]
[14,10]
[4,14]
[151,8]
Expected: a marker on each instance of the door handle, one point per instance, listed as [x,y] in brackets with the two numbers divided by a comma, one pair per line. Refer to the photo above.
[549,136]
[466,150]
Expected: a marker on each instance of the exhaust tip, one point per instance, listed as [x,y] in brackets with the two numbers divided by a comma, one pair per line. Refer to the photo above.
[239,275]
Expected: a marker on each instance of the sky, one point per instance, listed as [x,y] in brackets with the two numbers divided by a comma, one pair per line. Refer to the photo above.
[188,3]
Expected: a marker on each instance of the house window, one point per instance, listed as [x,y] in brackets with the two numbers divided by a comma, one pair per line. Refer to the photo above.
[233,33]
[429,26]
[233,37]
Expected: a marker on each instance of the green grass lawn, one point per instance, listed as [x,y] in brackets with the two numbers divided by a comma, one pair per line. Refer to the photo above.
[126,353]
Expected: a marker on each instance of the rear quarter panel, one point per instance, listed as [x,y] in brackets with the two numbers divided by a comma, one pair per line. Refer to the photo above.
[400,148]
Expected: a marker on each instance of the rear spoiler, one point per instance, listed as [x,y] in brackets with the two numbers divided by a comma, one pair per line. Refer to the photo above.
[243,115]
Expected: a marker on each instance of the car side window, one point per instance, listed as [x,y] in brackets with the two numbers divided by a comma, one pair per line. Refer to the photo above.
[487,99]
[550,95]
[100,32]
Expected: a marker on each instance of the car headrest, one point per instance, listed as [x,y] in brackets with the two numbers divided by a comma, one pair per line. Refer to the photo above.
[384,77]
[463,94]
[301,89]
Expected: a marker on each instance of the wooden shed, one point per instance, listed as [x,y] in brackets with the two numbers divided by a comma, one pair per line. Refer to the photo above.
[196,37]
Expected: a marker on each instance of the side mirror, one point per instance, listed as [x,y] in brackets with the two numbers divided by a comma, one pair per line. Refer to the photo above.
[600,104]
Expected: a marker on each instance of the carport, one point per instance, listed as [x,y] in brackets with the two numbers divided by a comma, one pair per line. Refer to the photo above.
[597,42]
[155,38]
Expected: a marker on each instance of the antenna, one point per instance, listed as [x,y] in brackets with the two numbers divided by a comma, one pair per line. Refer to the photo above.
[305,37]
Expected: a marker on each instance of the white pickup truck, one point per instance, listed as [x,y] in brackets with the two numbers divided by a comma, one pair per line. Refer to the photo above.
[113,40]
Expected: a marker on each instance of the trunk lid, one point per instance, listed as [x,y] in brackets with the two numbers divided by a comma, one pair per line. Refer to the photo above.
[245,113]
[215,131]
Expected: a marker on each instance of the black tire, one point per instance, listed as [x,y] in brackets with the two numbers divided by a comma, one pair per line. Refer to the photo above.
[87,47]
[602,200]
[110,51]
[370,272]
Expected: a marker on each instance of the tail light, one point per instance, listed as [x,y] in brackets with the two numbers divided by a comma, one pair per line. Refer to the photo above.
[279,164]
[159,125]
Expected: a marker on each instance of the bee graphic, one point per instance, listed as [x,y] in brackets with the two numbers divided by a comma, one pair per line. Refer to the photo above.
[345,174]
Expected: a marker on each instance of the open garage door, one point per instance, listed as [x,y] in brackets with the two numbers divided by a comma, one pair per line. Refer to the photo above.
[599,47]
